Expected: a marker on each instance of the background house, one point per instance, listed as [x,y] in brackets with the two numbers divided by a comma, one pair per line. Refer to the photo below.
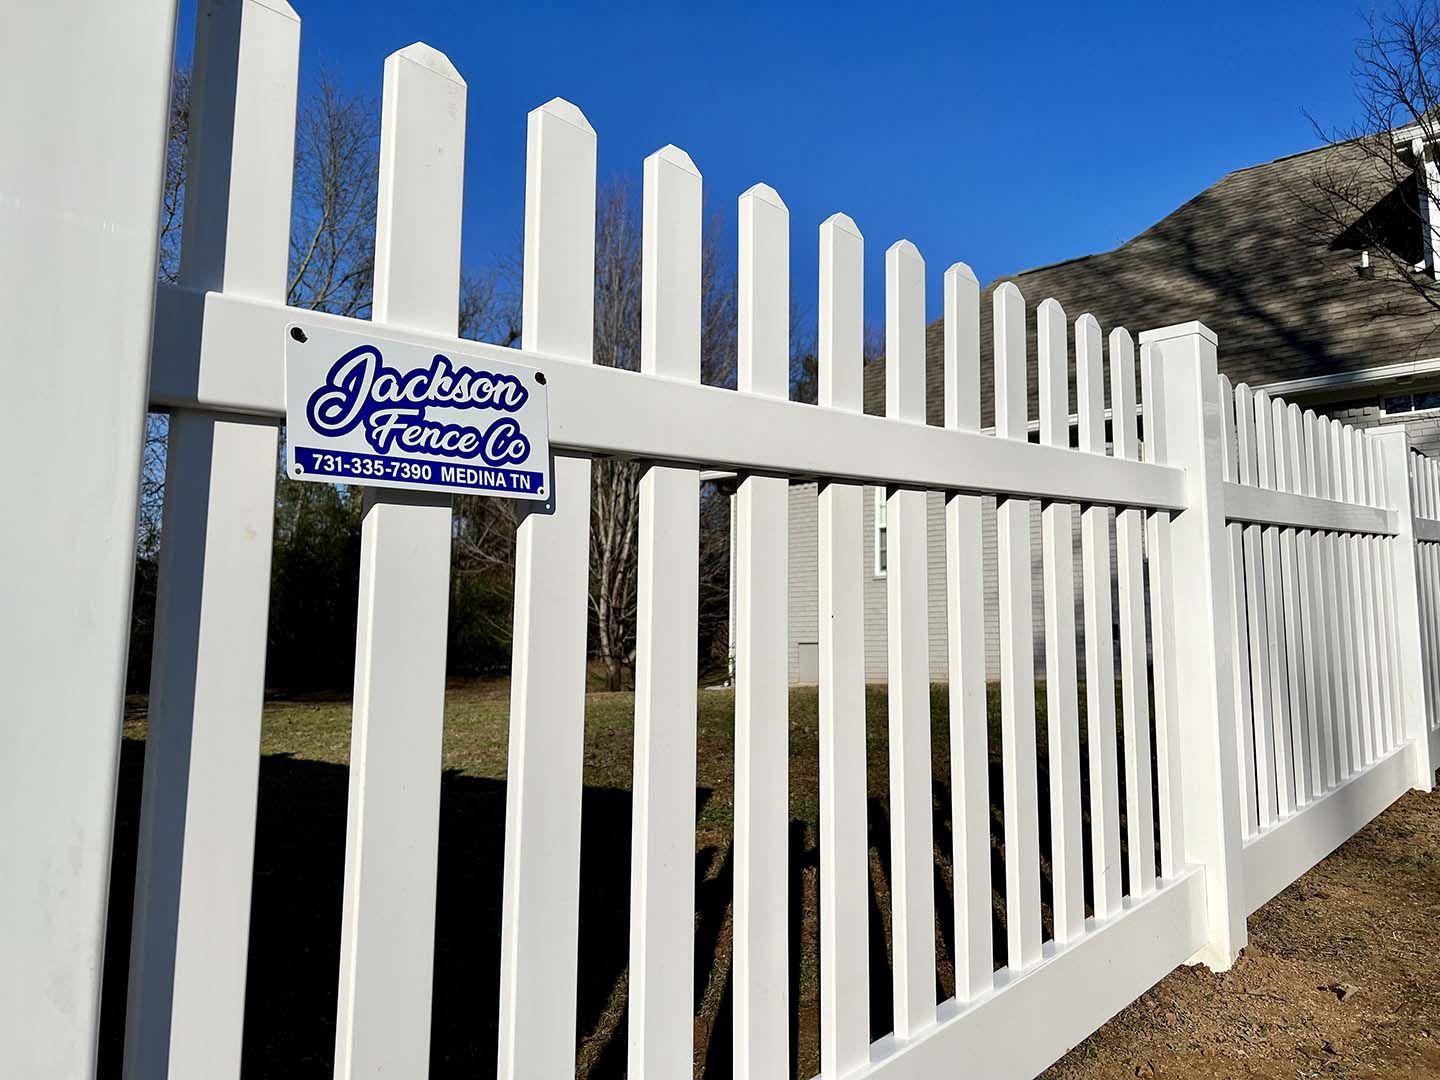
[1276,259]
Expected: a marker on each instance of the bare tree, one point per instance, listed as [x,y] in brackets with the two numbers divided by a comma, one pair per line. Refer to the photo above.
[332,236]
[1370,193]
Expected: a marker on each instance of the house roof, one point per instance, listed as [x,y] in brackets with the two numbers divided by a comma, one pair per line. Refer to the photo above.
[1251,258]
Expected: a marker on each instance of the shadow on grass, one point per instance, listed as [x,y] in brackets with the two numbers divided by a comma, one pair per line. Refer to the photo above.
[298,882]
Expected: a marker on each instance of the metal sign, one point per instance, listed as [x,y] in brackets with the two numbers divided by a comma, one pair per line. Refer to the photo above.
[380,413]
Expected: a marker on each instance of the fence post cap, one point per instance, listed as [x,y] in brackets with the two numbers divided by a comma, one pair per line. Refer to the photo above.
[962,270]
[844,223]
[1186,329]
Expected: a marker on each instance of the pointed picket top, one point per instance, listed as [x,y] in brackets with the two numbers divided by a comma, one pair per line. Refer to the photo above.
[905,249]
[1054,376]
[842,330]
[1312,467]
[670,265]
[567,111]
[962,348]
[1090,384]
[961,269]
[1011,383]
[671,154]
[1123,401]
[904,332]
[277,7]
[1227,426]
[430,58]
[766,194]
[843,223]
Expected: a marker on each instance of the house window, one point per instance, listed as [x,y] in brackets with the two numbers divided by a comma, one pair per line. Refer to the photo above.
[881,554]
[1407,403]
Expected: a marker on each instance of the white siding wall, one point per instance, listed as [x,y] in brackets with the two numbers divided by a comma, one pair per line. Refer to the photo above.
[804,585]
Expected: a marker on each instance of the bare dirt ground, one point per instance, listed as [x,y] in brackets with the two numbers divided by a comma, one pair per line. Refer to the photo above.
[1341,977]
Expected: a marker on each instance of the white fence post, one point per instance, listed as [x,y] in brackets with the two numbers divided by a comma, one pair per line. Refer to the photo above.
[1185,369]
[81,149]
[191,926]
[1414,723]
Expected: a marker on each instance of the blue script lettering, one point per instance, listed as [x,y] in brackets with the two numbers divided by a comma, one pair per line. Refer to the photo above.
[360,390]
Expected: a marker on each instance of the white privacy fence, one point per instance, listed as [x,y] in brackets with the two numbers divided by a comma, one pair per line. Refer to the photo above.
[1276,673]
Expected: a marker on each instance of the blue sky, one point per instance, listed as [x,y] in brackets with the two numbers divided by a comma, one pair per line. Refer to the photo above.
[1006,135]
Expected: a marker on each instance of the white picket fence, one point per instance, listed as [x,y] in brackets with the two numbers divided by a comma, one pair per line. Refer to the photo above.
[1287,568]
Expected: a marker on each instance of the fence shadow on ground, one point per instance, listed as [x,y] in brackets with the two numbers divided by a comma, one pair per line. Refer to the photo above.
[295,918]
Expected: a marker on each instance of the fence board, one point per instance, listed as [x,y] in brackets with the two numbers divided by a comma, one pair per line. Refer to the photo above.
[965,624]
[1139,786]
[1277,670]
[1095,554]
[1352,610]
[762,816]
[1384,496]
[1375,554]
[1290,605]
[1239,617]
[392,838]
[1257,623]
[540,900]
[912,847]
[194,867]
[844,846]
[1313,604]
[1162,639]
[1333,567]
[1017,649]
[1365,554]
[662,859]
[1062,696]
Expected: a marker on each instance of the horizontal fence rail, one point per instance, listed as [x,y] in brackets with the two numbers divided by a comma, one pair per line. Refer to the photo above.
[603,410]
[1240,625]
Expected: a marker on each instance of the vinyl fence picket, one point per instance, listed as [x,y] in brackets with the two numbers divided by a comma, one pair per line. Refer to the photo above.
[1277,669]
[387,929]
[1017,649]
[1352,608]
[194,866]
[1257,631]
[965,609]
[1312,606]
[1095,554]
[540,899]
[1333,568]
[1240,618]
[1067,870]
[912,847]
[1129,525]
[1162,639]
[662,876]
[1285,466]
[762,813]
[844,846]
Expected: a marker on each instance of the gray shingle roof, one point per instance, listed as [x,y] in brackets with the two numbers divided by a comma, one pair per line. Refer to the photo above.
[1247,257]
